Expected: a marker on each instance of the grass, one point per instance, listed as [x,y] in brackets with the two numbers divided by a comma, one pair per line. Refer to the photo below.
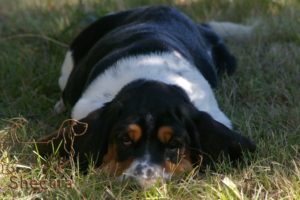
[262,99]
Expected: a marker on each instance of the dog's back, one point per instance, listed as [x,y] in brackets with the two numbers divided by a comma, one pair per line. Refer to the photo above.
[140,32]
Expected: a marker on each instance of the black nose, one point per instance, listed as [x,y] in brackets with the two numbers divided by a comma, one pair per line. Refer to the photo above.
[139,170]
[144,171]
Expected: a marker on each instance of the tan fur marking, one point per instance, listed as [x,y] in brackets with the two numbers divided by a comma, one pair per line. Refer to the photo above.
[165,134]
[110,164]
[183,165]
[134,132]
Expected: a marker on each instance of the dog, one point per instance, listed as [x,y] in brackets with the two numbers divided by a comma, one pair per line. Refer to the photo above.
[140,83]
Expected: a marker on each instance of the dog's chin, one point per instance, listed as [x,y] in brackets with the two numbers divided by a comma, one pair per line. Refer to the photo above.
[145,183]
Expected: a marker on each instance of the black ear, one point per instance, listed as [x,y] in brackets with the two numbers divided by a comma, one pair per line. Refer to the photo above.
[217,140]
[86,139]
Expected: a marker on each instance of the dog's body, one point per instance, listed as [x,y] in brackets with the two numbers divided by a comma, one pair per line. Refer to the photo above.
[142,80]
[156,43]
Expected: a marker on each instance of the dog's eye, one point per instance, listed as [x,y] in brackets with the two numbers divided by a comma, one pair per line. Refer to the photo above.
[126,141]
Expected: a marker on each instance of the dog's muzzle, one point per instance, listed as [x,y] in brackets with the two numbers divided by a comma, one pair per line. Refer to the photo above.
[145,174]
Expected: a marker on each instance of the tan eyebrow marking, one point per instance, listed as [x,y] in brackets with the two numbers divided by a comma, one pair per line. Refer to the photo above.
[165,133]
[134,132]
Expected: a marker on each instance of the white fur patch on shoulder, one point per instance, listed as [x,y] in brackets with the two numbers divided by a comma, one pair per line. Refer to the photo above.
[66,70]
[169,68]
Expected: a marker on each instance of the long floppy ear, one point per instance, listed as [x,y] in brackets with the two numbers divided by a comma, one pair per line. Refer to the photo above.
[86,139]
[216,139]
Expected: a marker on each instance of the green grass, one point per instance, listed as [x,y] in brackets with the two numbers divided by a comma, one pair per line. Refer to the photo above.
[262,99]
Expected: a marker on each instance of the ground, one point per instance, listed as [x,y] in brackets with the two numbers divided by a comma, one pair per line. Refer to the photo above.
[262,98]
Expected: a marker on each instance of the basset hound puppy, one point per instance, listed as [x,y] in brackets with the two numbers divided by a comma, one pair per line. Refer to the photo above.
[140,83]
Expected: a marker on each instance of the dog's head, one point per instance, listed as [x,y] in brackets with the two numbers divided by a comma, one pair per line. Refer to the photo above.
[151,130]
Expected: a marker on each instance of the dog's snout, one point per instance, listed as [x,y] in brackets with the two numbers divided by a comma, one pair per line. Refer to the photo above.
[144,171]
[145,174]
[139,170]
